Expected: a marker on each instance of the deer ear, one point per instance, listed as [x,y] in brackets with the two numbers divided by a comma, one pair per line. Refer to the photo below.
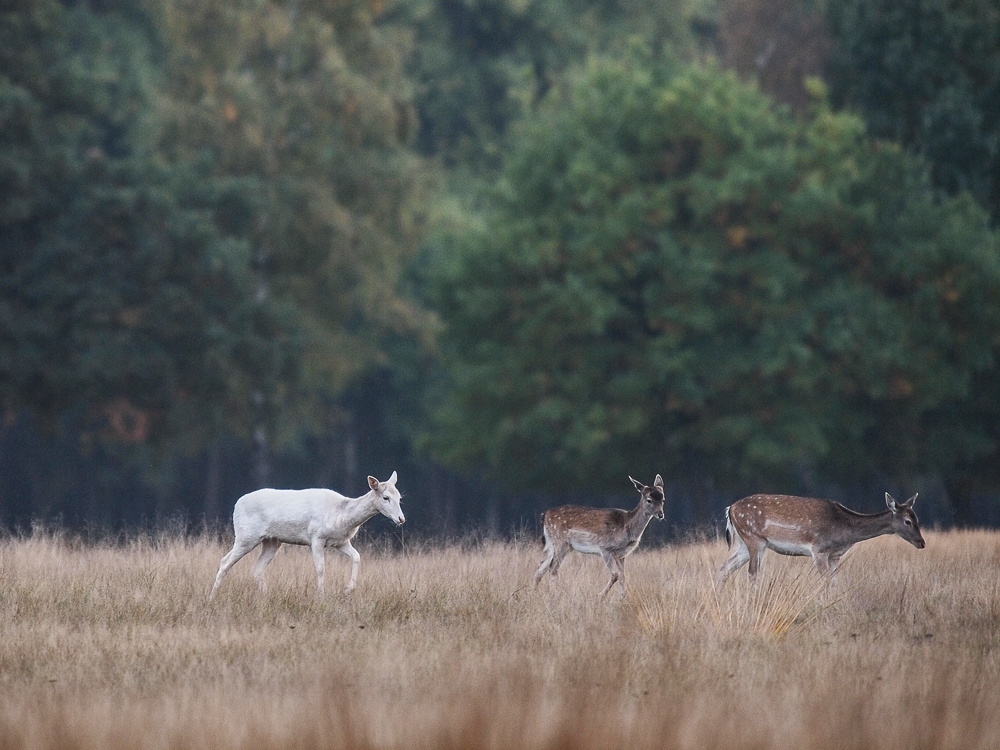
[373,482]
[891,503]
[638,485]
[909,503]
[392,479]
[658,482]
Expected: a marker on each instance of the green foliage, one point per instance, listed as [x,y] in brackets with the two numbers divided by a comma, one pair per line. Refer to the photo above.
[204,212]
[304,104]
[480,65]
[678,274]
[120,298]
[926,74]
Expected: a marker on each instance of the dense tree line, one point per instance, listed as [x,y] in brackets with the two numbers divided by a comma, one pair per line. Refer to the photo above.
[676,272]
[205,213]
[499,246]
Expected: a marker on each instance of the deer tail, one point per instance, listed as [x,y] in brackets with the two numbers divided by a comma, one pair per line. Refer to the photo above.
[730,531]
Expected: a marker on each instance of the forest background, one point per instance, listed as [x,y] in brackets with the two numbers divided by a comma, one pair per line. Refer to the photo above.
[515,250]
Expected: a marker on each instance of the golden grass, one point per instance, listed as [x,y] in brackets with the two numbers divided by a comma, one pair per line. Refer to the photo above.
[449,647]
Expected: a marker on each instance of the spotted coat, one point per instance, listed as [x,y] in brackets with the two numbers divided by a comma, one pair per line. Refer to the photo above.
[822,529]
[609,532]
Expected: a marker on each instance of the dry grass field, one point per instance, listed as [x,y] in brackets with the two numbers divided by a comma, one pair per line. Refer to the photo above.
[115,646]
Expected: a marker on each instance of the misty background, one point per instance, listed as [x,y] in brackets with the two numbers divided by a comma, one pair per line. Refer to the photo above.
[514,250]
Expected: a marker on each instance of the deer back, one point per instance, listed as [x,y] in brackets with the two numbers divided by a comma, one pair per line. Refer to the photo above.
[596,528]
[824,523]
[287,514]
[600,522]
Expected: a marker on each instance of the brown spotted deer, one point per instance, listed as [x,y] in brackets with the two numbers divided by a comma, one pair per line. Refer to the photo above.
[822,529]
[608,532]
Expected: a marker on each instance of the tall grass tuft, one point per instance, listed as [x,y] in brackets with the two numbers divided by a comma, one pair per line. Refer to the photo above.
[781,601]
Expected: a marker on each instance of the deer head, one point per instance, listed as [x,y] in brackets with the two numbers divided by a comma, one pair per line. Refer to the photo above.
[904,520]
[387,499]
[652,497]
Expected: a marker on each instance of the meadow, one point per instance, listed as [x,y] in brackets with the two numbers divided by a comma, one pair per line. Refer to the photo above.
[114,645]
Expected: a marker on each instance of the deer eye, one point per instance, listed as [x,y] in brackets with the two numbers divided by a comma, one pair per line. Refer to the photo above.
[907,521]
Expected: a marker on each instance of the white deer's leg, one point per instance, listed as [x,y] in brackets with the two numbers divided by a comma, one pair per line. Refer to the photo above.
[240,548]
[318,547]
[739,557]
[348,549]
[268,549]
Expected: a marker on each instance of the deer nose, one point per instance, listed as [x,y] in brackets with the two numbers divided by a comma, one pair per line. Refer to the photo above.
[401,520]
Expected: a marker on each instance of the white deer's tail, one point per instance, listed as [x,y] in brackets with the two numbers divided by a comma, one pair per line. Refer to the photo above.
[730,531]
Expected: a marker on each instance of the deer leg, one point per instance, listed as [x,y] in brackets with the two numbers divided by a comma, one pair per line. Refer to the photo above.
[612,564]
[560,554]
[822,563]
[759,545]
[549,554]
[621,573]
[268,549]
[737,559]
[318,547]
[240,548]
[348,549]
[834,564]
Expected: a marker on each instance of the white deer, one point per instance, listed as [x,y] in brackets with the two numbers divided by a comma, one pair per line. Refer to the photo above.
[822,529]
[316,518]
[608,532]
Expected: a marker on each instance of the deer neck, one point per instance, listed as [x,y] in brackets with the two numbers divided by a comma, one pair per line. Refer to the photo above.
[360,509]
[862,527]
[637,521]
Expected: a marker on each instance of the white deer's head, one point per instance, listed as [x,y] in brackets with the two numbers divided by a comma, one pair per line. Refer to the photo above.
[387,499]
